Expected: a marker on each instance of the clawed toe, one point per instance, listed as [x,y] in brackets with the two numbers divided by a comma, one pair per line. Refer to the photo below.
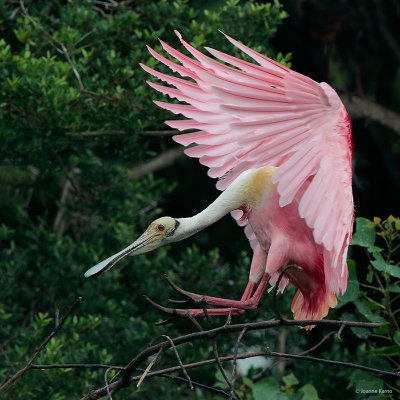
[173,312]
[179,301]
[195,298]
[159,307]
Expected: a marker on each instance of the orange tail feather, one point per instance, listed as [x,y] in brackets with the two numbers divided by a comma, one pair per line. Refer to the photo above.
[312,306]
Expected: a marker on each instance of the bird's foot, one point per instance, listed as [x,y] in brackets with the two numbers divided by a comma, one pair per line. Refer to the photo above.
[191,313]
[201,301]
[173,313]
[197,299]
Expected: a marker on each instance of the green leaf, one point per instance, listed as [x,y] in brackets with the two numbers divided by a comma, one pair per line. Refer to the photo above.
[220,378]
[351,294]
[362,380]
[394,288]
[267,388]
[290,380]
[396,338]
[382,266]
[248,382]
[351,265]
[309,392]
[367,312]
[387,351]
[353,287]
[365,233]
[362,333]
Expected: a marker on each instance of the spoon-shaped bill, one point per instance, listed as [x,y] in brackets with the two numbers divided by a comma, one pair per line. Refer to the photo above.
[106,264]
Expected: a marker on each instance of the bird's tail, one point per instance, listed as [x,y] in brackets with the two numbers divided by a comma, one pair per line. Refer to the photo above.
[313,305]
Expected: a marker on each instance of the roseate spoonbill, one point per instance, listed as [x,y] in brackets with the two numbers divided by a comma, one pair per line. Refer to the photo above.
[281,145]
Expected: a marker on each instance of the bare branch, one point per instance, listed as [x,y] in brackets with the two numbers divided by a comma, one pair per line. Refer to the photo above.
[146,371]
[109,392]
[35,355]
[97,133]
[133,365]
[59,46]
[315,347]
[232,390]
[239,339]
[331,362]
[162,161]
[167,132]
[358,107]
[178,359]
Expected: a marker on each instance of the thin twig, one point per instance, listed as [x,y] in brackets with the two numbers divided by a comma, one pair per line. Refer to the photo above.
[36,353]
[239,339]
[340,331]
[195,322]
[315,347]
[162,132]
[125,380]
[198,384]
[109,392]
[72,65]
[332,362]
[218,360]
[163,372]
[86,134]
[62,48]
[78,366]
[178,359]
[146,371]
[211,361]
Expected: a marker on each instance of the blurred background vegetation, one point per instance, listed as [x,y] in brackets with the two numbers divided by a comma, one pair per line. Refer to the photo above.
[86,163]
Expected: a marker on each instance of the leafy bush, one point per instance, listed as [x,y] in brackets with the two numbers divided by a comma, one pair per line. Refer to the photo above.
[74,122]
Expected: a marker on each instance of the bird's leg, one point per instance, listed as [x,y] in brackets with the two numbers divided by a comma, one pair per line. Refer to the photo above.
[247,301]
[231,307]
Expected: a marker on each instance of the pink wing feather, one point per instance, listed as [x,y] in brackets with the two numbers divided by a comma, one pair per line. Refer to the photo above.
[250,116]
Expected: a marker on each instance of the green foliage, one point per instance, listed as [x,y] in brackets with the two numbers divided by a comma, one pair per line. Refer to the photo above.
[377,300]
[288,390]
[74,111]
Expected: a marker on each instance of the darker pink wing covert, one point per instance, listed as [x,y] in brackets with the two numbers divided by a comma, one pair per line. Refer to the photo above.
[248,116]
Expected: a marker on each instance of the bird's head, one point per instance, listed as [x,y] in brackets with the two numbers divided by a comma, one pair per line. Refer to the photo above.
[161,231]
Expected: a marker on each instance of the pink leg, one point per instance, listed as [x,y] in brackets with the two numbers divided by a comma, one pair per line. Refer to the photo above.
[231,307]
[247,301]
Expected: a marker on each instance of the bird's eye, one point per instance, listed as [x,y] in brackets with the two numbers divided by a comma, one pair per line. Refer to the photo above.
[161,227]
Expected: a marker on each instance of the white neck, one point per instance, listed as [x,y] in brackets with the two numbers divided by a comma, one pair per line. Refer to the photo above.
[231,199]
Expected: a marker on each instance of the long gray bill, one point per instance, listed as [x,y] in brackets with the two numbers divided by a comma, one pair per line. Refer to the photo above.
[106,264]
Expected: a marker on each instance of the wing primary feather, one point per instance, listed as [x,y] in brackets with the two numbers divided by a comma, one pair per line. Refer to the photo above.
[185,72]
[252,115]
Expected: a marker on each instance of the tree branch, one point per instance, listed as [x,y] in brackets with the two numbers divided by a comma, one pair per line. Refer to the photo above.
[35,355]
[332,362]
[358,107]
[133,365]
[166,132]
[162,161]
[62,48]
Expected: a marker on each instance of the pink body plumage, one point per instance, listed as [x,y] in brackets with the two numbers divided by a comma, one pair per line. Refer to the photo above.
[249,116]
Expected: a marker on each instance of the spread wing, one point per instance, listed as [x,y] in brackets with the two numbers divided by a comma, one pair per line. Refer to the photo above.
[252,115]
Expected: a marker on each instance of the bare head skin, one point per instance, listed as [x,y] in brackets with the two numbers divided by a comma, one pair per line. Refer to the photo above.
[161,231]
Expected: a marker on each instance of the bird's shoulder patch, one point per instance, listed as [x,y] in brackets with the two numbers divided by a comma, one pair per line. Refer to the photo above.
[259,183]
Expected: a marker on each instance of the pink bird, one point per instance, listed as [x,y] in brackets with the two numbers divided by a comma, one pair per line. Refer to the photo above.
[280,144]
